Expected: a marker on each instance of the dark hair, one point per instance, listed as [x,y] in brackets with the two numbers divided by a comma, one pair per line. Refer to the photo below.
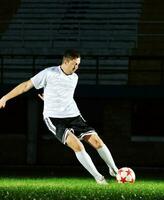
[71,54]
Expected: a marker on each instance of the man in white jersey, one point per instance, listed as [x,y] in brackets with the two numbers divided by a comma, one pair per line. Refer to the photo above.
[62,115]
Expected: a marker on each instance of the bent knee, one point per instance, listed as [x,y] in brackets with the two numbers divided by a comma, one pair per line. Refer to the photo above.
[74,143]
[98,143]
[78,147]
[95,141]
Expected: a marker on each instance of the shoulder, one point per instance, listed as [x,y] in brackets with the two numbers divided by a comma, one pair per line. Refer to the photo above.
[75,76]
[52,70]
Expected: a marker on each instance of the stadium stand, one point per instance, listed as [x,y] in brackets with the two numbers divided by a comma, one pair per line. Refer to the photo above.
[106,29]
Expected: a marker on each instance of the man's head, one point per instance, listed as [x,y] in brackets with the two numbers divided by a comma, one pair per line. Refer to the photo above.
[71,61]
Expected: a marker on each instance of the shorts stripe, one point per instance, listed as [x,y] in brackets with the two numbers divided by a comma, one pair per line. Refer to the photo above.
[50,125]
[91,132]
[65,136]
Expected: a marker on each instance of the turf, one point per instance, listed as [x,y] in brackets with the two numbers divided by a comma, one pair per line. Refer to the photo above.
[79,188]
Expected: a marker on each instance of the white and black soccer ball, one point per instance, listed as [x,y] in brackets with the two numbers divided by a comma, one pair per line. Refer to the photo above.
[125,175]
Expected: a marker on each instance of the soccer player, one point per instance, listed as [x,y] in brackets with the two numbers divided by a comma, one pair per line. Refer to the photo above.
[62,115]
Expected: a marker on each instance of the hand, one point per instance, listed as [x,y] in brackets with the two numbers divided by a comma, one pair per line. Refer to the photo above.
[41,96]
[2,102]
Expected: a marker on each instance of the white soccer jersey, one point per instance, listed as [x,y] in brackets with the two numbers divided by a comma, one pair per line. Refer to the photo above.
[58,92]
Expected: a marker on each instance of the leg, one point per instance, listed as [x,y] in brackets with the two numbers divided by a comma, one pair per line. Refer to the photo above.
[64,135]
[75,144]
[95,141]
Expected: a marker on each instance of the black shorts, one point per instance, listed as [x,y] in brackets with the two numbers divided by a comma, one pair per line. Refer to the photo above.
[61,126]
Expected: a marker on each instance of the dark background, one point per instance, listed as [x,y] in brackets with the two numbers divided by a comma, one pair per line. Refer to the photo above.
[129,116]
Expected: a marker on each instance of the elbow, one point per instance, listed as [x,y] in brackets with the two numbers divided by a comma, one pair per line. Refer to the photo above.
[26,86]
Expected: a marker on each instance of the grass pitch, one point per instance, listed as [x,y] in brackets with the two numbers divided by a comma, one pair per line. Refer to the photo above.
[79,188]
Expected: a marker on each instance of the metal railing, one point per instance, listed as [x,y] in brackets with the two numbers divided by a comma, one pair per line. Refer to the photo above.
[98,71]
[93,72]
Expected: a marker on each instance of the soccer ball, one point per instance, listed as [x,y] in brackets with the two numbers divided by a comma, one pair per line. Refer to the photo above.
[125,175]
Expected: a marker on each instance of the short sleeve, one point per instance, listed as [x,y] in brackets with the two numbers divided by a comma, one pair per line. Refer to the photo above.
[39,80]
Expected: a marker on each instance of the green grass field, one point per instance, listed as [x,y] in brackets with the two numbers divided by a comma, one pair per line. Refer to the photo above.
[78,188]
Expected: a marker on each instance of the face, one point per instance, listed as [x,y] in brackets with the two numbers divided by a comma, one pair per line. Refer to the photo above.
[73,65]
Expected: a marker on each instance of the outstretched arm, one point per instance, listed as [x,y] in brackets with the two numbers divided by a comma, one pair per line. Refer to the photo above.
[21,88]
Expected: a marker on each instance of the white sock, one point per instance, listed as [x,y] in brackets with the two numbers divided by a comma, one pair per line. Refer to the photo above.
[86,161]
[107,157]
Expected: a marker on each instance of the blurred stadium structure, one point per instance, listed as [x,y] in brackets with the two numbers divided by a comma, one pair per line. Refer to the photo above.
[121,43]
